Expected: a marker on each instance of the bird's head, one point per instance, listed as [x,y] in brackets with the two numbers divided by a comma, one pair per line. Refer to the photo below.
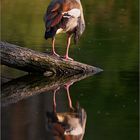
[82,27]
[79,30]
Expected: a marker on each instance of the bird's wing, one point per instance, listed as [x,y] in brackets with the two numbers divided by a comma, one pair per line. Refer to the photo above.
[53,15]
[56,10]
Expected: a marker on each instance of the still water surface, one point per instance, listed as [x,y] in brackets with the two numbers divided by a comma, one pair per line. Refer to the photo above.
[109,98]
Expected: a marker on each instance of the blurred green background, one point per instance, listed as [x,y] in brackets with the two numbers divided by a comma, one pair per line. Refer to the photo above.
[110,42]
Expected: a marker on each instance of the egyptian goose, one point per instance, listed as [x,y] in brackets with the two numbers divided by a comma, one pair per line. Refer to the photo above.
[64,16]
[67,125]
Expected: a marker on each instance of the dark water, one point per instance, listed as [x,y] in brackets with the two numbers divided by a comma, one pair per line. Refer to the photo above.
[109,98]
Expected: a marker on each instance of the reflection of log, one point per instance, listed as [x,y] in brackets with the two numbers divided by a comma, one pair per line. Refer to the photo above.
[36,62]
[5,79]
[24,87]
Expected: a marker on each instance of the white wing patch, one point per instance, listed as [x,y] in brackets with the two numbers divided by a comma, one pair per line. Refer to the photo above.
[75,127]
[59,31]
[73,12]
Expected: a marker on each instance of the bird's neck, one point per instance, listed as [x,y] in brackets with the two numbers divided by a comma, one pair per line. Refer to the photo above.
[81,9]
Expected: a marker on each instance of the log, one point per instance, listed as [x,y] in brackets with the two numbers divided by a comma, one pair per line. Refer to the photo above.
[37,62]
[30,85]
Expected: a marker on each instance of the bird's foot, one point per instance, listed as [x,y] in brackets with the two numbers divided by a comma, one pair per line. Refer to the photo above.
[67,58]
[55,54]
[68,84]
[57,89]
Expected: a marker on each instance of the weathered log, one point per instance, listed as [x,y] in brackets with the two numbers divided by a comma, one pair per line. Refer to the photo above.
[36,62]
[26,86]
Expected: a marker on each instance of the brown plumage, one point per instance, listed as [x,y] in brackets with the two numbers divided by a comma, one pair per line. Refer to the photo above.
[64,16]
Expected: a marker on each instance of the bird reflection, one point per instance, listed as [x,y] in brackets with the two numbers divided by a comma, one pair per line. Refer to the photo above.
[68,125]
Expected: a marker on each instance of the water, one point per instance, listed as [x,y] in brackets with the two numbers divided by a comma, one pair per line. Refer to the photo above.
[109,98]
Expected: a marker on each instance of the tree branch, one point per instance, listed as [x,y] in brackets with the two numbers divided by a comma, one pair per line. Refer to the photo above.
[36,62]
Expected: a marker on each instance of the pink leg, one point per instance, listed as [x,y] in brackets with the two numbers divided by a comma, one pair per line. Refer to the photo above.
[53,47]
[67,50]
[54,102]
[67,86]
[54,99]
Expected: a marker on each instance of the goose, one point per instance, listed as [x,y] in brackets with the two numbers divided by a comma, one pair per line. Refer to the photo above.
[68,125]
[64,16]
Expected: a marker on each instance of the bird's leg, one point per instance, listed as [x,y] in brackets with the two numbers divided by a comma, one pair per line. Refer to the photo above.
[54,99]
[54,102]
[67,86]
[53,47]
[67,50]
